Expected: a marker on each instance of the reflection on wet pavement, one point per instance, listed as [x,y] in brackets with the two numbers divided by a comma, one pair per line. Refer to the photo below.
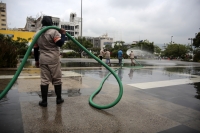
[170,94]
[197,87]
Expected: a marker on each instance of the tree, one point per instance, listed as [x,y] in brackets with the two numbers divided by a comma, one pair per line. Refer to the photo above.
[196,55]
[157,49]
[109,47]
[176,50]
[95,51]
[8,52]
[22,45]
[76,48]
[119,45]
[196,41]
[145,46]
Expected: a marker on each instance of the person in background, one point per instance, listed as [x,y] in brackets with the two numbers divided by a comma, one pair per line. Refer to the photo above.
[132,58]
[101,54]
[47,46]
[120,56]
[107,57]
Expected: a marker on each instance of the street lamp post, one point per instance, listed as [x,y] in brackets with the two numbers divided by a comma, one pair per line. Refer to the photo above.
[171,39]
[81,19]
[191,42]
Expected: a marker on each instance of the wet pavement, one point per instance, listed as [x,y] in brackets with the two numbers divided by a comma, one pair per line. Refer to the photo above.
[162,96]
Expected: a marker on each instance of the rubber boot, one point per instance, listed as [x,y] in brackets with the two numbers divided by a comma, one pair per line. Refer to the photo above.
[44,92]
[58,90]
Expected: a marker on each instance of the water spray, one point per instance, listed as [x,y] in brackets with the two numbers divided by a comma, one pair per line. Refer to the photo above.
[136,52]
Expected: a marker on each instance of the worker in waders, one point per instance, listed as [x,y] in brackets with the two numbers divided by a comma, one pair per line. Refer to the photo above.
[46,53]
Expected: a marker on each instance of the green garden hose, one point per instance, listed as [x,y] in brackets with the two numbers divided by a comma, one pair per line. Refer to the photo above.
[138,62]
[10,84]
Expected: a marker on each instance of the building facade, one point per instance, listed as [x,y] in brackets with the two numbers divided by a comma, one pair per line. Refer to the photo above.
[101,41]
[3,16]
[73,27]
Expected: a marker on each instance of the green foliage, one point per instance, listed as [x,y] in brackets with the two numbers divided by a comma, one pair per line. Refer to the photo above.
[8,52]
[196,41]
[109,47]
[21,45]
[70,55]
[116,48]
[117,43]
[176,50]
[197,56]
[145,46]
[157,49]
[114,53]
[95,51]
[76,48]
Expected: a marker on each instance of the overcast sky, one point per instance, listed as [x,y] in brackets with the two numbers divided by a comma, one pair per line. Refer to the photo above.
[127,20]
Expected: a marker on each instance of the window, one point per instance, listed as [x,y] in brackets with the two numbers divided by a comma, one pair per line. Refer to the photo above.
[3,20]
[76,27]
[3,15]
[72,27]
[3,24]
[32,25]
[55,23]
[71,33]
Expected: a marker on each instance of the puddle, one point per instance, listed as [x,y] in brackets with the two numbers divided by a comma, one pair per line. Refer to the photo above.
[31,64]
[69,93]
[126,75]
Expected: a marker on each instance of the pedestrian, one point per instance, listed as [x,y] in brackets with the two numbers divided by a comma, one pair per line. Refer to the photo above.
[159,57]
[48,45]
[107,56]
[132,58]
[101,54]
[120,56]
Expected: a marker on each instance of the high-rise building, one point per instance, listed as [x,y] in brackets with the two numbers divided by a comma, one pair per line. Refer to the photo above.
[3,16]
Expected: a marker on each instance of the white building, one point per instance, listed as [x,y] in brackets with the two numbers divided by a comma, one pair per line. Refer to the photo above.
[73,27]
[100,42]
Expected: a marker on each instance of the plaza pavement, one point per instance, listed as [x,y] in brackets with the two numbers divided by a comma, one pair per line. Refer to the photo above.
[159,97]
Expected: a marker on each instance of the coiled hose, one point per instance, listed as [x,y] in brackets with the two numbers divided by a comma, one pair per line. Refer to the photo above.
[10,84]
